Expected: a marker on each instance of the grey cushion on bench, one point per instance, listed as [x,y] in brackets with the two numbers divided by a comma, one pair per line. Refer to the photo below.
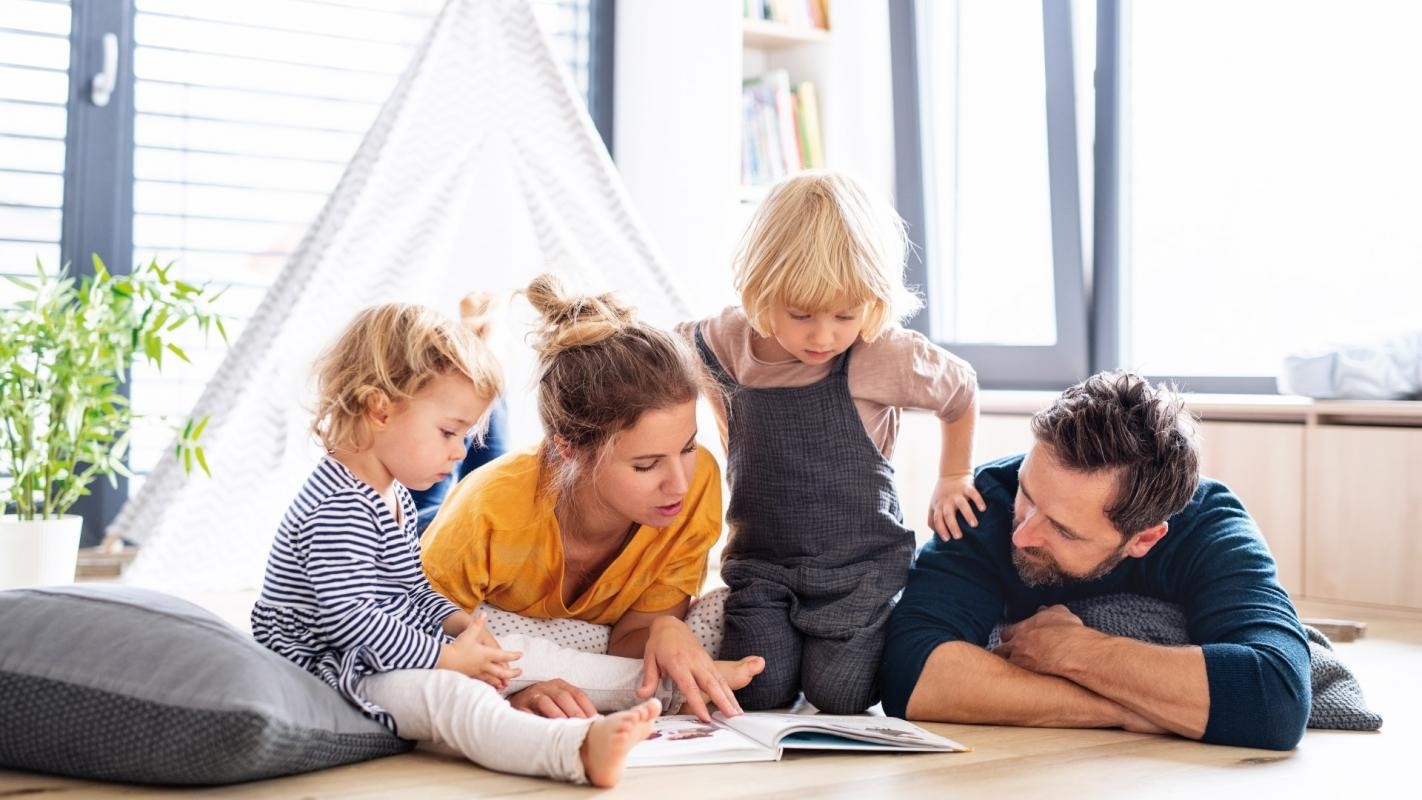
[124,684]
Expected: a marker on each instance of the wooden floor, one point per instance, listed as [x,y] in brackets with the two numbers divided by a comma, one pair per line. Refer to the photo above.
[1005,762]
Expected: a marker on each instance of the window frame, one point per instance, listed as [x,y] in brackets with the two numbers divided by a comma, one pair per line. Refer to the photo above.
[1111,218]
[602,43]
[1052,366]
[97,212]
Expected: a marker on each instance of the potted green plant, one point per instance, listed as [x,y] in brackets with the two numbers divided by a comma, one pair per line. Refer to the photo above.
[65,351]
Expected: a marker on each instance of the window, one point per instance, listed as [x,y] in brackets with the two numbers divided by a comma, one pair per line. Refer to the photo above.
[1254,183]
[568,24]
[34,86]
[245,115]
[993,202]
[1275,186]
[581,33]
[243,118]
[987,135]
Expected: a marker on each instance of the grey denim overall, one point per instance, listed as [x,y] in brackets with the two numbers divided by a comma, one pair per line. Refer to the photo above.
[817,550]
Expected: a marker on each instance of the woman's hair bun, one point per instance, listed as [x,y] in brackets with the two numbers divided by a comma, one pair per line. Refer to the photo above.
[572,320]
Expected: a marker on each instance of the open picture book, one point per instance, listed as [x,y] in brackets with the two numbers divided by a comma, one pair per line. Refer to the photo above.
[682,739]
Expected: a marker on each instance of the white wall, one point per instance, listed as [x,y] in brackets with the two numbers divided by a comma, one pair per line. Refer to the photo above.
[677,100]
[859,99]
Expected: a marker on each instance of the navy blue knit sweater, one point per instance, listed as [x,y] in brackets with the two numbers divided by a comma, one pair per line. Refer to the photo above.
[1212,562]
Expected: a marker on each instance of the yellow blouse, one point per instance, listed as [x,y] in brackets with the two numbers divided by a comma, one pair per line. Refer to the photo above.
[496,540]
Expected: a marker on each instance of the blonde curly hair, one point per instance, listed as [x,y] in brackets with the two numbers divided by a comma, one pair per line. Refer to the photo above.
[387,354]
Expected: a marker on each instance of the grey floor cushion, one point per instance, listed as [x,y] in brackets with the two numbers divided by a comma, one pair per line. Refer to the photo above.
[118,683]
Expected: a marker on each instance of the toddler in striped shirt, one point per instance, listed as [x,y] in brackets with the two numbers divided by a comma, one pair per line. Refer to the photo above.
[344,597]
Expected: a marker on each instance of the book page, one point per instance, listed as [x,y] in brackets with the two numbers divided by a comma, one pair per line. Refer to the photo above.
[860,732]
[683,739]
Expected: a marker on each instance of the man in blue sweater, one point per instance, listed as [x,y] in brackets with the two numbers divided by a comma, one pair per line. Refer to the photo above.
[1108,500]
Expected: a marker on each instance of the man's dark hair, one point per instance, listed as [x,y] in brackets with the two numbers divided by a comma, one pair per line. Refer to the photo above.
[1117,421]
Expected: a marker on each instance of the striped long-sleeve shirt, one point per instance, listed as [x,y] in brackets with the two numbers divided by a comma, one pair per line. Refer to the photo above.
[344,596]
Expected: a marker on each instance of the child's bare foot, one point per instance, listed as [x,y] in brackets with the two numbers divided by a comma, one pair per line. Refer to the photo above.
[609,739]
[738,674]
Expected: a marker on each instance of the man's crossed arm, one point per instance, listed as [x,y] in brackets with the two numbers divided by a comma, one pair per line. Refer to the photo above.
[1052,671]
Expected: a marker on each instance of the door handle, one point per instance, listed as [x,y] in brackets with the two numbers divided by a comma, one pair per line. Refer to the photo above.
[102,86]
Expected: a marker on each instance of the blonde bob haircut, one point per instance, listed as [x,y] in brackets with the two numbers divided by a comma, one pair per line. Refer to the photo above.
[820,243]
[387,354]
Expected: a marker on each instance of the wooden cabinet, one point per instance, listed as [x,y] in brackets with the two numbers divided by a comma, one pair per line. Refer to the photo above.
[919,446]
[1263,463]
[1336,486]
[1000,435]
[1364,510]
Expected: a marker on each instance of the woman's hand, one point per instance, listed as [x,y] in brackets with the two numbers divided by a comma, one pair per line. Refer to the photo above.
[554,699]
[673,651]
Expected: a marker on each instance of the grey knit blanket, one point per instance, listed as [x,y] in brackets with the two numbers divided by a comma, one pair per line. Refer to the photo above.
[1337,698]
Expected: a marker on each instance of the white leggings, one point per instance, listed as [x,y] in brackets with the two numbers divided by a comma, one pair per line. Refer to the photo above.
[454,712]
[458,713]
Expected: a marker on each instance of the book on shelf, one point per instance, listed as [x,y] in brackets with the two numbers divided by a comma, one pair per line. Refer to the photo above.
[785,125]
[807,120]
[759,736]
[780,128]
[797,13]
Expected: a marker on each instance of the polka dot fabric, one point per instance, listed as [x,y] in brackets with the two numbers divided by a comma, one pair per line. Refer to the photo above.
[705,618]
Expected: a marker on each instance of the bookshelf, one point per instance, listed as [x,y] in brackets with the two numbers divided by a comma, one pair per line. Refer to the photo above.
[785,69]
[767,34]
[679,74]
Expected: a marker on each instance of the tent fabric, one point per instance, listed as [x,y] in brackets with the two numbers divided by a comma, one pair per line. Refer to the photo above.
[482,170]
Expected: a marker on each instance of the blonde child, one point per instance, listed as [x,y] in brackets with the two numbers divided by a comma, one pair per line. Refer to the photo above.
[344,596]
[816,368]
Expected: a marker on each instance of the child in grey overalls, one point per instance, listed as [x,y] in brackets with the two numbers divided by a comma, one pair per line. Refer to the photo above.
[815,368]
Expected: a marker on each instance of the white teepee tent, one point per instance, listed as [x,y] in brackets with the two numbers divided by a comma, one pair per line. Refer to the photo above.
[482,170]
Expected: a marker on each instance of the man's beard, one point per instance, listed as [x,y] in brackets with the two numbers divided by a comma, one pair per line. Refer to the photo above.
[1044,570]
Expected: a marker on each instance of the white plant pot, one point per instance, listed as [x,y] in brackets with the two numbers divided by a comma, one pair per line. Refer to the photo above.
[40,552]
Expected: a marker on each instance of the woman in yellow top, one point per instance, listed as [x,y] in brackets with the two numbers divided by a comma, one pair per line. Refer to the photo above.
[610,519]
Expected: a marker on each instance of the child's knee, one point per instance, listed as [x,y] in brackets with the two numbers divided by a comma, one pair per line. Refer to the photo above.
[842,673]
[778,684]
[834,692]
[770,689]
[769,635]
[841,699]
[443,687]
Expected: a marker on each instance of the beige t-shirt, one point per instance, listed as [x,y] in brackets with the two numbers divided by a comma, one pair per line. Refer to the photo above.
[900,369]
